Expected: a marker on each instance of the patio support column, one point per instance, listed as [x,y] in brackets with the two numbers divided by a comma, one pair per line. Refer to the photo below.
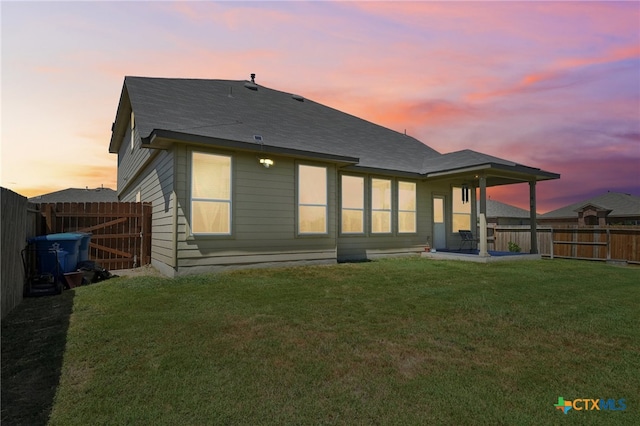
[532,217]
[482,244]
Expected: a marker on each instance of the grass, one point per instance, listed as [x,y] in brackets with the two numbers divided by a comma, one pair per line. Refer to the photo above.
[398,341]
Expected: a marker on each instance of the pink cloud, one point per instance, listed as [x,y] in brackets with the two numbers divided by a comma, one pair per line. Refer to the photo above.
[234,17]
[579,180]
[543,22]
[558,75]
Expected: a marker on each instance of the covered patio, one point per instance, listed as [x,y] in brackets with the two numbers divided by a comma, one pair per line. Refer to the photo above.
[475,172]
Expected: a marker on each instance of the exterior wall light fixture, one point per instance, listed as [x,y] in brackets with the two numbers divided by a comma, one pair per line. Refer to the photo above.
[266,162]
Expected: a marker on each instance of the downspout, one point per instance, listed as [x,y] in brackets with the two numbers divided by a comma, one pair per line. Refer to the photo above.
[482,245]
[532,217]
[180,150]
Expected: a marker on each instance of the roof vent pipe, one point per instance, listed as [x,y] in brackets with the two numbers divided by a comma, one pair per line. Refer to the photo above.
[252,85]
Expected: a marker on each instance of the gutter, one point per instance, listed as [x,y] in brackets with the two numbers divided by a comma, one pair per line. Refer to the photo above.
[163,139]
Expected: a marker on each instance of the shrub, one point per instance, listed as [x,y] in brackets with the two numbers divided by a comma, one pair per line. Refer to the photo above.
[513,247]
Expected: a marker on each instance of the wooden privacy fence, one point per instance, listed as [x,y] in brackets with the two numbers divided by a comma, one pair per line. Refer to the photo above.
[601,243]
[616,243]
[121,232]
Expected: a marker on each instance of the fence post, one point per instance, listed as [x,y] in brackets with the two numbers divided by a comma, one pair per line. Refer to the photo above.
[551,244]
[608,244]
[50,217]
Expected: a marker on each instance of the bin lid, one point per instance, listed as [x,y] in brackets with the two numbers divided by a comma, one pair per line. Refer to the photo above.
[83,234]
[64,236]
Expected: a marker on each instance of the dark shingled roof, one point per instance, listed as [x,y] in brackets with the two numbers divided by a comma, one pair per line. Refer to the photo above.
[215,111]
[498,209]
[462,159]
[228,110]
[78,195]
[619,203]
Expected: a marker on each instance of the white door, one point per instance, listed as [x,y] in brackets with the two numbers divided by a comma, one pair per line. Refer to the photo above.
[439,231]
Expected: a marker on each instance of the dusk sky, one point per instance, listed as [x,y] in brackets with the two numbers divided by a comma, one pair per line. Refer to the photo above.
[553,85]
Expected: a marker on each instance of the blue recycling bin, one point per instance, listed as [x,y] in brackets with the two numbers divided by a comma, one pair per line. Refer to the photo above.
[83,250]
[52,261]
[48,245]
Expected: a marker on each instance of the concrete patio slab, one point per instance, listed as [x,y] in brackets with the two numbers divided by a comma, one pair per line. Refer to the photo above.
[472,257]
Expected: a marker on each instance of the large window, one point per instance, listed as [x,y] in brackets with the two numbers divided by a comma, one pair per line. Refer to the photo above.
[461,209]
[352,205]
[380,206]
[210,194]
[406,207]
[312,199]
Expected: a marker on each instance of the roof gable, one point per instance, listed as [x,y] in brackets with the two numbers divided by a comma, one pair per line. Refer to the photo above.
[498,209]
[78,195]
[618,203]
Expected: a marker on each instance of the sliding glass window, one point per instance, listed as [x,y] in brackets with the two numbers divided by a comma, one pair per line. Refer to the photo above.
[352,205]
[380,206]
[406,207]
[312,199]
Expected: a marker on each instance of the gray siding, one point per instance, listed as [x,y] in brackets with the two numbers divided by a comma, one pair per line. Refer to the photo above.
[369,245]
[130,162]
[443,188]
[155,184]
[263,217]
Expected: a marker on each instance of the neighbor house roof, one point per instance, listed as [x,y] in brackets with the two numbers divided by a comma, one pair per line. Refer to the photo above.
[78,195]
[619,204]
[498,209]
[245,115]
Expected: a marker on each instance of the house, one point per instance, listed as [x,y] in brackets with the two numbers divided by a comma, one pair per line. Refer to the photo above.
[610,208]
[78,195]
[505,214]
[243,175]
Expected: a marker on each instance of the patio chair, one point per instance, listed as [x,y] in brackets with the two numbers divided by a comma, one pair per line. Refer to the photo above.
[466,237]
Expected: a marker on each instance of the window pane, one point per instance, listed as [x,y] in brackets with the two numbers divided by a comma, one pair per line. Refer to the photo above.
[406,196]
[352,221]
[458,206]
[352,192]
[461,221]
[406,222]
[461,213]
[438,210]
[381,194]
[211,217]
[380,221]
[312,185]
[211,176]
[312,219]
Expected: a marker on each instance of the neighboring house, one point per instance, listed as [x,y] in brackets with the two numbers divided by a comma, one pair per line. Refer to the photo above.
[610,208]
[78,195]
[505,214]
[241,175]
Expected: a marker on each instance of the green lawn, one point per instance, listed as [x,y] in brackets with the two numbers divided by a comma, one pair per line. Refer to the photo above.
[398,341]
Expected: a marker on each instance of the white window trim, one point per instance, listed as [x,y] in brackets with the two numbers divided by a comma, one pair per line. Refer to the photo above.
[213,200]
